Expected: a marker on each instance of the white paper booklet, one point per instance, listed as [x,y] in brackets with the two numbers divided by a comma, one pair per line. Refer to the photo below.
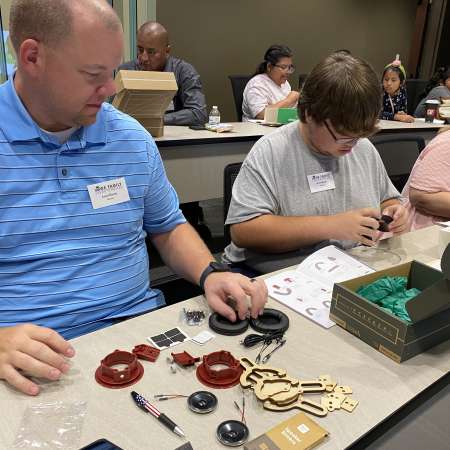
[444,224]
[308,289]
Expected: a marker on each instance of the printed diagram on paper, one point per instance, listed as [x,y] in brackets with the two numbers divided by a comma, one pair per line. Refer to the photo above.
[308,289]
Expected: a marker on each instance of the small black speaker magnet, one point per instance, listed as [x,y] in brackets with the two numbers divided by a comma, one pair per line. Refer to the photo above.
[232,433]
[202,402]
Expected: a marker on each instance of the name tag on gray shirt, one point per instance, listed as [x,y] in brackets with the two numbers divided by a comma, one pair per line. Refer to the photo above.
[321,182]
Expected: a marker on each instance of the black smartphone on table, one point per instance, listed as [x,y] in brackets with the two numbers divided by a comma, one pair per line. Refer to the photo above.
[101,444]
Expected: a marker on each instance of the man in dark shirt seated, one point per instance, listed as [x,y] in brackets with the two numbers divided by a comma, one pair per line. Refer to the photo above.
[188,106]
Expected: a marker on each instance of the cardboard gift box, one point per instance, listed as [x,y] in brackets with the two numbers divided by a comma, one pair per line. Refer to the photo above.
[280,115]
[145,96]
[297,433]
[429,311]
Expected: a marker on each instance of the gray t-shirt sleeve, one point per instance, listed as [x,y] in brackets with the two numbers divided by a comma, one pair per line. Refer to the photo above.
[435,94]
[254,191]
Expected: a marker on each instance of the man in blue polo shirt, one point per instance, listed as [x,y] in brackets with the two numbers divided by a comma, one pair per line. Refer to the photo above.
[80,186]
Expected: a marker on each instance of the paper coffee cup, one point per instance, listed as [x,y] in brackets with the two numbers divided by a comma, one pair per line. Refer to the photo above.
[431,110]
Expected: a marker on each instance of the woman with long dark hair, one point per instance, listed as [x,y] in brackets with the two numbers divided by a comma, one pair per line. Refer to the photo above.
[270,85]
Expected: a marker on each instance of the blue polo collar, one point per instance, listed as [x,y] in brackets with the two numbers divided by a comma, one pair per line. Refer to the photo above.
[18,126]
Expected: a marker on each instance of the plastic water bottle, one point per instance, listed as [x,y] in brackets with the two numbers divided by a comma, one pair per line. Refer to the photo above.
[214,116]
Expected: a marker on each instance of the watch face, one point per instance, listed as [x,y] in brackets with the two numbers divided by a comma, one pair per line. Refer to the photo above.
[219,267]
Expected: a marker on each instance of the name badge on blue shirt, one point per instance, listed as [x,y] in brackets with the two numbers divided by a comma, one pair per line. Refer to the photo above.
[108,193]
[321,182]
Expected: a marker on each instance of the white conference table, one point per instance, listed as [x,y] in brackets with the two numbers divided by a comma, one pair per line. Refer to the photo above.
[195,159]
[381,385]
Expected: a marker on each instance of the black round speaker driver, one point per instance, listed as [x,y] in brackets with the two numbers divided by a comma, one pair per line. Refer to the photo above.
[221,325]
[270,321]
[202,402]
[232,433]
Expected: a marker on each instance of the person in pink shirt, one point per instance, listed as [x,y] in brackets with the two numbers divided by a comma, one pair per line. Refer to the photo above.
[428,188]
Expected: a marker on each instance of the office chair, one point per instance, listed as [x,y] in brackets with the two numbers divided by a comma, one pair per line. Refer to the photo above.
[399,153]
[230,174]
[415,88]
[238,83]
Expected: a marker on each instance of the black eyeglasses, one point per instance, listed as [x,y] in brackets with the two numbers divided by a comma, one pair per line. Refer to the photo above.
[289,68]
[344,141]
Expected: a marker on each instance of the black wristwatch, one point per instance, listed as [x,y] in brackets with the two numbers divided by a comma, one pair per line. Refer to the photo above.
[213,266]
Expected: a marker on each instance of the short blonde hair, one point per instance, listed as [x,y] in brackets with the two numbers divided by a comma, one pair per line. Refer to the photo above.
[346,91]
[51,21]
[47,21]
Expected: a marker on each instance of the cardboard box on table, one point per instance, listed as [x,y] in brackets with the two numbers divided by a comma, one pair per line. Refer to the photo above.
[145,96]
[280,115]
[397,339]
[296,433]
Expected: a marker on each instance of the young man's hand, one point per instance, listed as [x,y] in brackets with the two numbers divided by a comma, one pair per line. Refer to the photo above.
[399,215]
[358,225]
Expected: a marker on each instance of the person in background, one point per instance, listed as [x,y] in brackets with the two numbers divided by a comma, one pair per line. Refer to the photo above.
[81,185]
[269,86]
[395,102]
[438,87]
[153,48]
[318,180]
[188,106]
[428,188]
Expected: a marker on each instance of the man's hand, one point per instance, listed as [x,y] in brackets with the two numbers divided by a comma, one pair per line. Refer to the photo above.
[399,215]
[219,286]
[359,225]
[35,350]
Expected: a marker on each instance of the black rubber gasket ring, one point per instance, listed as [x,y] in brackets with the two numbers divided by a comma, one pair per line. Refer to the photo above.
[222,325]
[270,321]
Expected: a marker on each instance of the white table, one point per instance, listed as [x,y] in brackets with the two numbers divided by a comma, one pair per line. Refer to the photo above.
[381,385]
[195,159]
[417,127]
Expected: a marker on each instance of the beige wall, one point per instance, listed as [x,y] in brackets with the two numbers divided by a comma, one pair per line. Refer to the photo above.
[230,37]
[6,5]
[145,11]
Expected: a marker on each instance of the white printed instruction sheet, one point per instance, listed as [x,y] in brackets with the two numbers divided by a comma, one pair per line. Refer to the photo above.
[308,289]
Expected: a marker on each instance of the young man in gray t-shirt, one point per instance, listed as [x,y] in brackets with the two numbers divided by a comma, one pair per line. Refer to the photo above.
[318,179]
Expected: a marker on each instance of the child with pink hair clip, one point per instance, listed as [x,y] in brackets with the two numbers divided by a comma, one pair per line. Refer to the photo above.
[395,102]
